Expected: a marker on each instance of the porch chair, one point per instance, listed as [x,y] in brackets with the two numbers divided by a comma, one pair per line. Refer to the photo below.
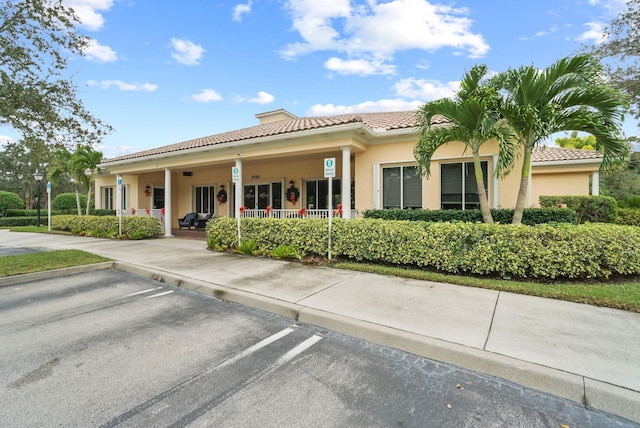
[202,223]
[188,221]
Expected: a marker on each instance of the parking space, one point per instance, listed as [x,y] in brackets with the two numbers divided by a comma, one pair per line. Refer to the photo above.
[107,348]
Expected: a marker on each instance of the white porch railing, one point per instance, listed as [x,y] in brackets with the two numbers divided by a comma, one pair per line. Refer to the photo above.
[143,212]
[291,214]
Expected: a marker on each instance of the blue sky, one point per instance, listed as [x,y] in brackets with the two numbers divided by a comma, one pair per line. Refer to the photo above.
[162,72]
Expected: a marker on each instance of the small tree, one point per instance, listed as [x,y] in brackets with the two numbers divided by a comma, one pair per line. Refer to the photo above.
[9,201]
[474,121]
[67,202]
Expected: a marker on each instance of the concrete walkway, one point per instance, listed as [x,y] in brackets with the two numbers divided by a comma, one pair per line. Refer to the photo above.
[583,353]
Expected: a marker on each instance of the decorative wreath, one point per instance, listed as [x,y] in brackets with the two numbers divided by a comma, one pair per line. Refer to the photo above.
[293,194]
[222,196]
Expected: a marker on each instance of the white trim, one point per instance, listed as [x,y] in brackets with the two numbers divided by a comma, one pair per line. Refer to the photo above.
[595,184]
[346,183]
[377,195]
[496,184]
[167,203]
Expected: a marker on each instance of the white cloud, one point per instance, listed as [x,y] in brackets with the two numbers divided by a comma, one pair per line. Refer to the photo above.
[98,53]
[123,86]
[4,140]
[425,89]
[364,107]
[594,34]
[378,30]
[110,151]
[88,11]
[186,52]
[262,98]
[241,9]
[206,96]
[362,66]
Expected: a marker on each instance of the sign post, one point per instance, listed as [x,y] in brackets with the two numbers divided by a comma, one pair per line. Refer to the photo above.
[330,172]
[49,204]
[236,174]
[119,204]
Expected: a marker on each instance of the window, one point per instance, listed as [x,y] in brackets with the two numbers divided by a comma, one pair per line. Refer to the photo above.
[317,194]
[259,196]
[204,199]
[401,187]
[459,190]
[108,196]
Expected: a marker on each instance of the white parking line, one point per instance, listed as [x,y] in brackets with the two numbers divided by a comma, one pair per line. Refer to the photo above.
[159,294]
[298,350]
[250,350]
[143,292]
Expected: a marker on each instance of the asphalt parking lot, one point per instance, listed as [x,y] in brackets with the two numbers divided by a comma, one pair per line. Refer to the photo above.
[107,348]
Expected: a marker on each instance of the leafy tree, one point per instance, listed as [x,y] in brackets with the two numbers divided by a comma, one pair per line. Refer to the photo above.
[623,184]
[85,162]
[569,95]
[9,201]
[474,121]
[577,142]
[621,54]
[36,98]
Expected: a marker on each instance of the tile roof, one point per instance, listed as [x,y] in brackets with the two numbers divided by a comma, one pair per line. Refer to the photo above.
[387,120]
[555,154]
[374,121]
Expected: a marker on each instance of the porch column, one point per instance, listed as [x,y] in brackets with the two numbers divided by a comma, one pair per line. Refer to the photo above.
[595,183]
[346,182]
[238,195]
[167,203]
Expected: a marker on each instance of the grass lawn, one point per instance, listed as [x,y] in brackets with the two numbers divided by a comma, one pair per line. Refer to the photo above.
[47,260]
[619,295]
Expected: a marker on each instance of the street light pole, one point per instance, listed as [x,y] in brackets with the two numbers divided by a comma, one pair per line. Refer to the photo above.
[38,176]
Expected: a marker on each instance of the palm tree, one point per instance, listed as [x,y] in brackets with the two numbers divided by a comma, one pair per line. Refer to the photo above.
[569,95]
[473,121]
[62,165]
[86,160]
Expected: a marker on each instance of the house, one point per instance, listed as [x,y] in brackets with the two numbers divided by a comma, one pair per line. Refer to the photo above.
[281,163]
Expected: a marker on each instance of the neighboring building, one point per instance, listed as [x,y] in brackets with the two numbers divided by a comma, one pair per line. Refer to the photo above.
[284,156]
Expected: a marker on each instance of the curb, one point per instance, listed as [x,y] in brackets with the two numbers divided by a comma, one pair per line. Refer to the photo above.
[38,276]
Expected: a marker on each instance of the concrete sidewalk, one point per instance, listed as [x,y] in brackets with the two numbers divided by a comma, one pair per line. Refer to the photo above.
[583,353]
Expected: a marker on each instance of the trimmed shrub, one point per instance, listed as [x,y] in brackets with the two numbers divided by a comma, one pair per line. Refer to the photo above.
[593,209]
[66,202]
[103,212]
[546,251]
[628,216]
[21,221]
[8,201]
[629,202]
[531,216]
[31,212]
[107,226]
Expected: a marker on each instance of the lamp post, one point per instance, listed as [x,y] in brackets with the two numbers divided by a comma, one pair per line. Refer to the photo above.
[38,176]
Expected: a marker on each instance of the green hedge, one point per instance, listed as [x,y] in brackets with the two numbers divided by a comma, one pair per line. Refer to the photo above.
[22,221]
[107,226]
[531,216]
[542,252]
[594,209]
[9,201]
[628,216]
[32,213]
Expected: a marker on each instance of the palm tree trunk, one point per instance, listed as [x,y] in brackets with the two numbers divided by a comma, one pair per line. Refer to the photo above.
[78,200]
[524,187]
[88,198]
[482,194]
